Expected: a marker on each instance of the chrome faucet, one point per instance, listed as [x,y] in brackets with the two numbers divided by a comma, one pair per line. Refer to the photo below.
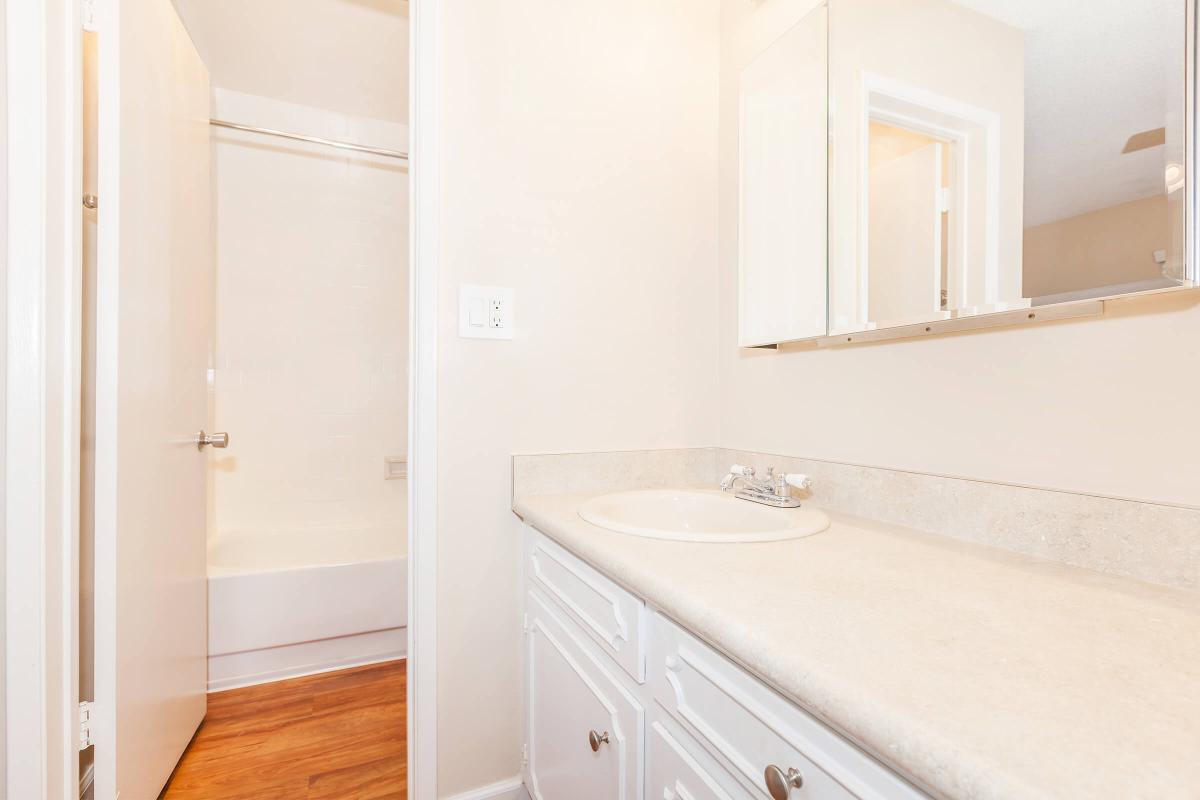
[773,490]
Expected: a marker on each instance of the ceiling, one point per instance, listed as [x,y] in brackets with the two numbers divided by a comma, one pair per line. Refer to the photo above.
[1096,72]
[348,56]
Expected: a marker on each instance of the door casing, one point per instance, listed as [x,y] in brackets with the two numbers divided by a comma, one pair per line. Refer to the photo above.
[41,362]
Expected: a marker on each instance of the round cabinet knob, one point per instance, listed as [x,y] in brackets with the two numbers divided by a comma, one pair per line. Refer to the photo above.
[779,783]
[597,739]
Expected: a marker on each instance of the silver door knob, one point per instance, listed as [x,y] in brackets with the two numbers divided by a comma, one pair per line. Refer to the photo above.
[779,784]
[597,739]
[220,440]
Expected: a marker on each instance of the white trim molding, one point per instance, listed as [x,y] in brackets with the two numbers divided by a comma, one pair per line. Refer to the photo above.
[42,45]
[510,789]
[270,664]
[422,405]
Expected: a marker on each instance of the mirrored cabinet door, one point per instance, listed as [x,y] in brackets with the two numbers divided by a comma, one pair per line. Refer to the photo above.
[782,186]
[992,155]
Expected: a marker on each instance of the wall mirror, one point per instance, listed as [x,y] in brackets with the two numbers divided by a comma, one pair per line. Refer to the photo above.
[978,157]
[993,155]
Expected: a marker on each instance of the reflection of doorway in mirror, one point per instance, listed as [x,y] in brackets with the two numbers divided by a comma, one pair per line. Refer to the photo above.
[909,213]
[959,207]
[956,76]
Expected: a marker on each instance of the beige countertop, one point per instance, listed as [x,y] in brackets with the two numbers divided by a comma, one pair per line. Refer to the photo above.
[974,672]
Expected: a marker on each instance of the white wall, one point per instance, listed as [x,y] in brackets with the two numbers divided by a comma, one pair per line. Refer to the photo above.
[578,165]
[1096,406]
[1108,246]
[348,56]
[311,321]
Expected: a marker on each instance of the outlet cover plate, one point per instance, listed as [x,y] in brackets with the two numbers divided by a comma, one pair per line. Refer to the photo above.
[485,312]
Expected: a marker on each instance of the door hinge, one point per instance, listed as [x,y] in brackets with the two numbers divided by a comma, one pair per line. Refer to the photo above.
[85,724]
[524,756]
[87,14]
[524,623]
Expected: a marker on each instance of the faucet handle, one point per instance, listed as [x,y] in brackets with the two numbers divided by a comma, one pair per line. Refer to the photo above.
[798,480]
[735,472]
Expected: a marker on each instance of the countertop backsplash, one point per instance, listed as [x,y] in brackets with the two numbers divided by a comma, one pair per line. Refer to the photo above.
[1145,541]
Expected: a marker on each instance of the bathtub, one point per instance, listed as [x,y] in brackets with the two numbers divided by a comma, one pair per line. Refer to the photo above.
[288,603]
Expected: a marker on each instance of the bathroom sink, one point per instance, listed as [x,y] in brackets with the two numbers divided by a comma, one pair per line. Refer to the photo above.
[699,516]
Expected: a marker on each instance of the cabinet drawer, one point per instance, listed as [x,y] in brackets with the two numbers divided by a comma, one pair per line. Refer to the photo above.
[613,618]
[748,727]
[572,697]
[677,768]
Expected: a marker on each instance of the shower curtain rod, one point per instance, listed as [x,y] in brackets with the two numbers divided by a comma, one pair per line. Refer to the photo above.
[360,148]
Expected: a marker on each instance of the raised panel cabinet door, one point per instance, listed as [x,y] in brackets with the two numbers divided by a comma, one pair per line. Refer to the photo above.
[674,771]
[582,727]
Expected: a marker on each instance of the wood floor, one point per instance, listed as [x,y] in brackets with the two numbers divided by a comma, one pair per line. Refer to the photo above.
[336,735]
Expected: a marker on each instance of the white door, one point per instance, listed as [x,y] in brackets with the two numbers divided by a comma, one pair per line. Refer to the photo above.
[583,729]
[904,246]
[153,342]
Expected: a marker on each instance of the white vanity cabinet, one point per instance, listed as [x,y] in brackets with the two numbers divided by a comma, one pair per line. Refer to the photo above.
[584,728]
[622,703]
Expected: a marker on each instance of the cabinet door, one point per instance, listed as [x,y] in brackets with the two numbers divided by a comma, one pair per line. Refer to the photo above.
[571,693]
[676,771]
[612,617]
[782,198]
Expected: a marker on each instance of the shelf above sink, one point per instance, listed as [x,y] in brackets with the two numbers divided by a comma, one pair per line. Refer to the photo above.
[699,516]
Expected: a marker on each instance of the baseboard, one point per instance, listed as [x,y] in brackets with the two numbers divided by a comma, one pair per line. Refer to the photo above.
[236,670]
[86,779]
[510,789]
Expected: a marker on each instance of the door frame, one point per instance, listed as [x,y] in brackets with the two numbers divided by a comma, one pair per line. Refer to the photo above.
[422,401]
[42,361]
[971,130]
[42,143]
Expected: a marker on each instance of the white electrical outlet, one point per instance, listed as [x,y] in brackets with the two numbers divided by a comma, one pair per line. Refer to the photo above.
[485,312]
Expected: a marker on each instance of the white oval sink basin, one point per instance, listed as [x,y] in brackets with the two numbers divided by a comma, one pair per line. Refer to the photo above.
[699,516]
